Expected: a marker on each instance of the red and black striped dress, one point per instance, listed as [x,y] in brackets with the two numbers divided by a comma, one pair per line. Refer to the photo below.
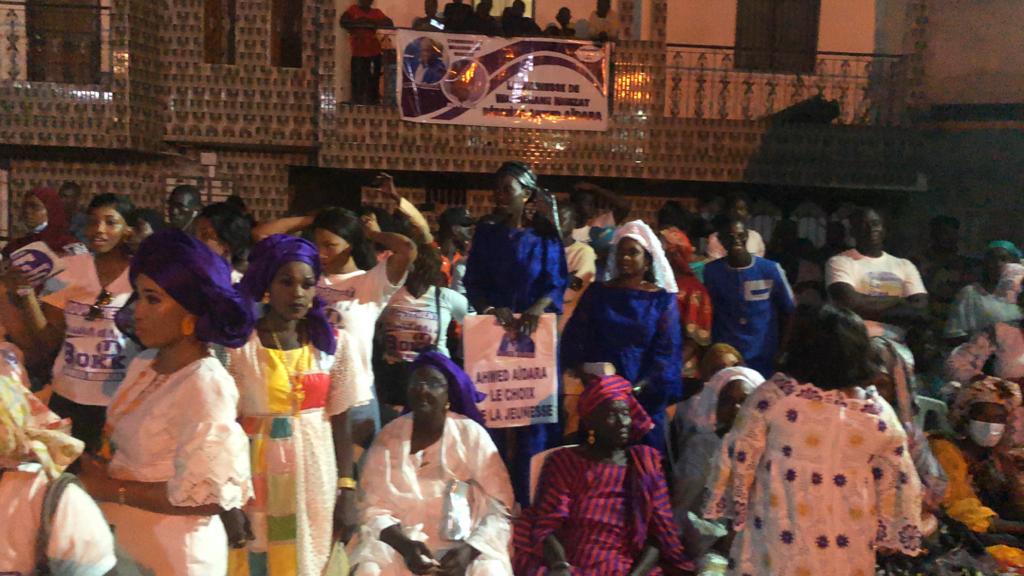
[603,515]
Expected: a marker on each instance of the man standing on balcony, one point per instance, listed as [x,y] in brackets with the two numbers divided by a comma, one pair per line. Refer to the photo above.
[604,22]
[457,16]
[430,21]
[362,22]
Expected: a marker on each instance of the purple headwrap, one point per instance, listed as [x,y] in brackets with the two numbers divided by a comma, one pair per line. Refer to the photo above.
[462,393]
[266,259]
[199,280]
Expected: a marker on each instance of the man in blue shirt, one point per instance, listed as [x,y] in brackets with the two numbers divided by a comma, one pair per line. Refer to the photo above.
[752,300]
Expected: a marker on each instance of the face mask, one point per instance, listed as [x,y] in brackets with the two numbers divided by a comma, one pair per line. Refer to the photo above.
[986,434]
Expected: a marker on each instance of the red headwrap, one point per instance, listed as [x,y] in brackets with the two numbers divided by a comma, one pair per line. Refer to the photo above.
[610,389]
[56,234]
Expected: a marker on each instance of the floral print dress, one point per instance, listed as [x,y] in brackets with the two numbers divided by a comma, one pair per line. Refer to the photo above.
[814,482]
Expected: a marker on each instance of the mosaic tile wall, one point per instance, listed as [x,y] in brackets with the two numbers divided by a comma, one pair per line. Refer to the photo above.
[250,103]
[161,99]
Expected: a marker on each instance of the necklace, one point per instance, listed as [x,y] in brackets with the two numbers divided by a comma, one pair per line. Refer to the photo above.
[297,393]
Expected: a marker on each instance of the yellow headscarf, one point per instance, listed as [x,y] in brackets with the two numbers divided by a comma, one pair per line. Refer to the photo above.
[29,431]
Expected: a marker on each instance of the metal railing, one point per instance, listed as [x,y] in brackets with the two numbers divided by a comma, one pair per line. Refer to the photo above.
[55,41]
[704,82]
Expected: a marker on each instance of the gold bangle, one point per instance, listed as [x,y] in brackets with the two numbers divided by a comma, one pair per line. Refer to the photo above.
[122,495]
[346,483]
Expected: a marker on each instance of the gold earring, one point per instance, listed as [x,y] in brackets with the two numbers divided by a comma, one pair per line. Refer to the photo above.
[591,437]
[188,326]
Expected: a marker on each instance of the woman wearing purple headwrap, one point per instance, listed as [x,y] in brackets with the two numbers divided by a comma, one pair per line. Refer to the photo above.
[173,456]
[297,389]
[442,497]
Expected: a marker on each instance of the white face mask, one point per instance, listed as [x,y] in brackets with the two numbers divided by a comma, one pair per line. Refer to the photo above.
[985,434]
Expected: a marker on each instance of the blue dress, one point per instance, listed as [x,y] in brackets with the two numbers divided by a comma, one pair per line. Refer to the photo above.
[638,332]
[513,268]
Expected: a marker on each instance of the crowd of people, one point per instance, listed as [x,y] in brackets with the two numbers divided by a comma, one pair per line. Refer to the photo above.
[288,396]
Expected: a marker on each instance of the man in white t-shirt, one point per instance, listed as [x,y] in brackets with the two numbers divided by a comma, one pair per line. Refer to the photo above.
[886,291]
[737,207]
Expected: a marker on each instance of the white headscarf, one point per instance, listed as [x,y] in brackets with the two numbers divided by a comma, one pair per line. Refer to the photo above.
[704,415]
[642,233]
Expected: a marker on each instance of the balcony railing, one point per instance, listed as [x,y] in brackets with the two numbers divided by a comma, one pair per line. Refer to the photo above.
[55,41]
[704,82]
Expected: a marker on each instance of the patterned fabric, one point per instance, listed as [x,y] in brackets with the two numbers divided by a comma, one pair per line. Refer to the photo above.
[602,514]
[29,431]
[287,399]
[695,310]
[986,390]
[611,389]
[815,482]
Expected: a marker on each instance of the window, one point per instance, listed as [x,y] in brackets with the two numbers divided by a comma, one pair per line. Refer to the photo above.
[777,35]
[286,33]
[63,41]
[219,17]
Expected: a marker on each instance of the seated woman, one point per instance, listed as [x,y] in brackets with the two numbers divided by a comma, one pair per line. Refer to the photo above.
[711,416]
[632,322]
[174,458]
[982,494]
[603,507]
[440,496]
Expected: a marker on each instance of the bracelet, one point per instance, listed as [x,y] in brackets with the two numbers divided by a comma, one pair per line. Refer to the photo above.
[560,565]
[122,494]
[346,483]
[488,310]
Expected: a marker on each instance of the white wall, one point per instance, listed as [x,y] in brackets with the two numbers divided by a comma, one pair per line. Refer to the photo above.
[581,9]
[846,25]
[975,52]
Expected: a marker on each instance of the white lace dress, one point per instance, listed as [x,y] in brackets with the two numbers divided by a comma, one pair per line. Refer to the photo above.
[181,431]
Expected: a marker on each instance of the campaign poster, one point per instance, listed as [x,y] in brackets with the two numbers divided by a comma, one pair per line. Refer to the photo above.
[546,83]
[517,373]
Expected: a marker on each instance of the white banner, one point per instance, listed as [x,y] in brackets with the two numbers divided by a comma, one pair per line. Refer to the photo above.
[517,373]
[547,83]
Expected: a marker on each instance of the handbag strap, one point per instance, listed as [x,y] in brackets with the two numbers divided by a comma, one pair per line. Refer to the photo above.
[437,309]
[51,501]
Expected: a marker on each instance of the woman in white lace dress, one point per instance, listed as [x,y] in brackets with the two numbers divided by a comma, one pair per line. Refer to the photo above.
[815,475]
[177,458]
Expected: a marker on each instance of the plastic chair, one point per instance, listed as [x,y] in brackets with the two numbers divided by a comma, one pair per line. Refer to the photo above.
[537,464]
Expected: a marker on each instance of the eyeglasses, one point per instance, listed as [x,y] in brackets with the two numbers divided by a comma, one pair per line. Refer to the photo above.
[96,310]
